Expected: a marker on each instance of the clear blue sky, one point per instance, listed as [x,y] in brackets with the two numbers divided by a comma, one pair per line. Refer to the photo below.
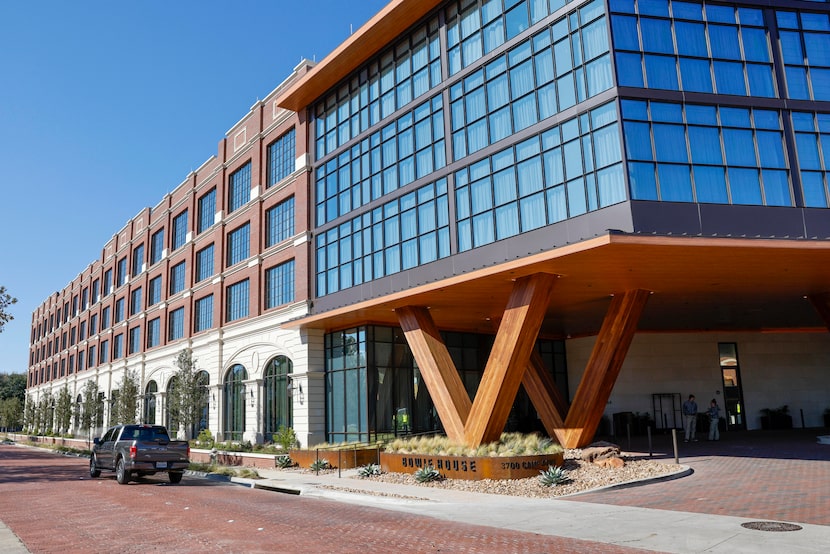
[107,106]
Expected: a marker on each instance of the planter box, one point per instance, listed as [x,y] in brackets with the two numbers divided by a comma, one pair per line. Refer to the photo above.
[472,468]
[343,459]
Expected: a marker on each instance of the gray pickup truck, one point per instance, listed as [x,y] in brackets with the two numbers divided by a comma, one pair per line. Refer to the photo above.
[139,450]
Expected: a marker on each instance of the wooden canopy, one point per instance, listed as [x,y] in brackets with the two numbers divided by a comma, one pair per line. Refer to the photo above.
[610,287]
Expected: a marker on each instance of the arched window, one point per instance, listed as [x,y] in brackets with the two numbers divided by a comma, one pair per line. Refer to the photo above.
[277,409]
[234,396]
[150,403]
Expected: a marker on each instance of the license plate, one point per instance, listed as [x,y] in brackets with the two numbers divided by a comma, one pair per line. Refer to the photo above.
[161,465]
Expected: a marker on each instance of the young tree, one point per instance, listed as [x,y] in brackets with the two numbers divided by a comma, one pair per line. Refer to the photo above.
[44,414]
[126,407]
[187,396]
[63,411]
[29,415]
[92,408]
[6,300]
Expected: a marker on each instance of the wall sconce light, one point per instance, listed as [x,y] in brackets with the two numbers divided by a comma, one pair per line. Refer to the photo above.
[289,388]
[252,399]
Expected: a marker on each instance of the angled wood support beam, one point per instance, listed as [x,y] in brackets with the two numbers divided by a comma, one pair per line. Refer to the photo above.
[509,357]
[821,302]
[437,368]
[603,367]
[545,397]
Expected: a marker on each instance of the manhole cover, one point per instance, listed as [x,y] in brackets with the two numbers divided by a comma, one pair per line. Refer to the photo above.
[771,526]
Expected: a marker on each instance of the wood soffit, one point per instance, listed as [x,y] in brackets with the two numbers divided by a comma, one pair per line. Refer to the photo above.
[697,284]
[386,26]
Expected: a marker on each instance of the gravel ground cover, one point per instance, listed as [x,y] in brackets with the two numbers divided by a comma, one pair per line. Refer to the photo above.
[582,476]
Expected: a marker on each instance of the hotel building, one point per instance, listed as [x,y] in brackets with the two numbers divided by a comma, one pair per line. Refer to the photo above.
[508,214]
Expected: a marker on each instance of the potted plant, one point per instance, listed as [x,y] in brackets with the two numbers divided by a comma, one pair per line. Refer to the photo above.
[776,418]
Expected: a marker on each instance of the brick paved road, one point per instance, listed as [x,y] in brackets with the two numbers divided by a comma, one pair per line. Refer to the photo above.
[781,476]
[51,503]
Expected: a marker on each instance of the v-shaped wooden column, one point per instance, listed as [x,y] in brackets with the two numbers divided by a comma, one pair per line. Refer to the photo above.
[437,369]
[482,420]
[545,397]
[603,367]
[509,357]
[821,302]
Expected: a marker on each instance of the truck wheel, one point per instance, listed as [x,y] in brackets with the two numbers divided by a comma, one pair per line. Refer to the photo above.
[121,473]
[93,470]
[175,477]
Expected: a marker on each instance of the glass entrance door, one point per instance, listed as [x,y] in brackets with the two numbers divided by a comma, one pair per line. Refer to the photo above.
[733,401]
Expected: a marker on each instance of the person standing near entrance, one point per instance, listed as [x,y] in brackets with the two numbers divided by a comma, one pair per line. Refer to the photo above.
[690,418]
[714,420]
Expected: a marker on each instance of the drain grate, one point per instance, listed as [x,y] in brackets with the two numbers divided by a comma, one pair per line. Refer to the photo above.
[771,526]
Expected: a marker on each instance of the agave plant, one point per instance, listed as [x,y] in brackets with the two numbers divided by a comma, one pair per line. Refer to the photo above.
[319,465]
[554,475]
[369,470]
[283,461]
[427,474]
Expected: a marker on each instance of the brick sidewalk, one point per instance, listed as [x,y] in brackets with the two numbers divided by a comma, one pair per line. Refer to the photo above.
[769,475]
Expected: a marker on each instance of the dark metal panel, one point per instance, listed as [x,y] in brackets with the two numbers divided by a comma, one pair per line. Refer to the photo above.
[666,218]
[751,221]
[817,223]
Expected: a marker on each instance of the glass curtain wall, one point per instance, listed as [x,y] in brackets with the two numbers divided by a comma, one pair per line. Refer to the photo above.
[375,390]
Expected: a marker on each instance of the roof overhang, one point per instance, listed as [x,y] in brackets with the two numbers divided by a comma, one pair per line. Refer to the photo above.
[388,24]
[698,284]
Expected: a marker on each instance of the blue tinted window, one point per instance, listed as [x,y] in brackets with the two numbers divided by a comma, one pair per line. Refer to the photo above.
[675,183]
[815,194]
[755,44]
[710,184]
[729,78]
[720,14]
[776,188]
[687,10]
[745,186]
[629,70]
[657,36]
[670,143]
[696,75]
[738,147]
[661,72]
[705,145]
[653,7]
[642,181]
[693,42]
[625,32]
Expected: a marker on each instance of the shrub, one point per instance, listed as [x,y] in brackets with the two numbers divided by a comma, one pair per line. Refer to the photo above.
[427,474]
[554,475]
[369,470]
[286,438]
[205,439]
